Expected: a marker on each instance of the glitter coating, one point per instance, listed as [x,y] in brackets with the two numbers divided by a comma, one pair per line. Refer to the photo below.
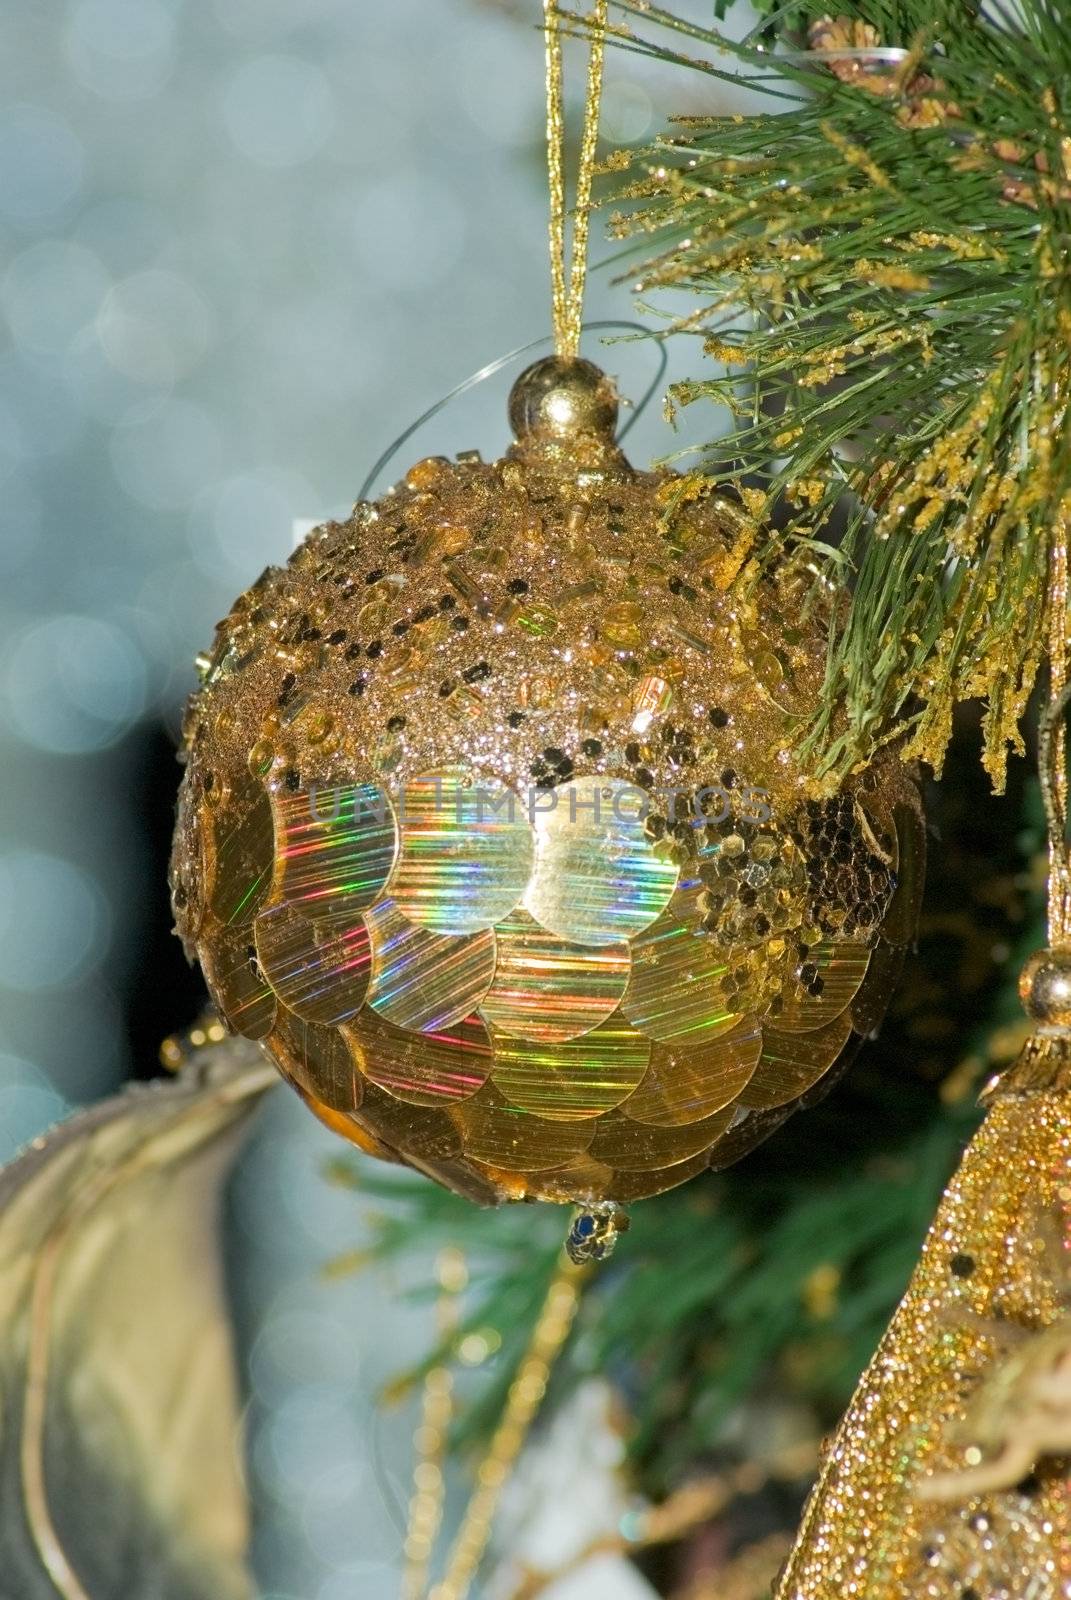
[993,1274]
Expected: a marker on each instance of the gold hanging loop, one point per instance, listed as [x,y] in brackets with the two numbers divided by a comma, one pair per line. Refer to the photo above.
[567,289]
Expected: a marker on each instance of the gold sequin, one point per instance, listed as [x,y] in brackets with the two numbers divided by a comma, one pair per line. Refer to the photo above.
[791,1062]
[335,847]
[466,852]
[597,876]
[684,985]
[547,989]
[826,983]
[245,997]
[425,981]
[575,1078]
[318,970]
[687,1081]
[424,1069]
[317,1061]
[505,1135]
[240,831]
[632,1146]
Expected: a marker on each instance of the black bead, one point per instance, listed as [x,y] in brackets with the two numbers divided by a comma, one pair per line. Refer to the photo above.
[718,717]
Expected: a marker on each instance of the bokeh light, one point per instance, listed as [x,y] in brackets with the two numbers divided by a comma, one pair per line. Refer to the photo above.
[73,684]
[41,164]
[251,105]
[121,49]
[163,452]
[54,922]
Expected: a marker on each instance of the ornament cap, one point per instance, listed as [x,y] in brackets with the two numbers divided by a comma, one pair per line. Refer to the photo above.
[1045,987]
[564,409]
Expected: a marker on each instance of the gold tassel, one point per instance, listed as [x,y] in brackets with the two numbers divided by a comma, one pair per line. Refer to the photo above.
[948,1477]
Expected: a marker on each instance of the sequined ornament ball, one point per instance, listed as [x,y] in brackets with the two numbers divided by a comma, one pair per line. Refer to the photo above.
[490,829]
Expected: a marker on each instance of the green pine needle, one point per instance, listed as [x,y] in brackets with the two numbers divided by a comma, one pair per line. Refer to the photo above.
[882,267]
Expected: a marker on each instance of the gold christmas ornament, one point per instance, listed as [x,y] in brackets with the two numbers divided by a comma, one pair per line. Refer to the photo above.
[491,832]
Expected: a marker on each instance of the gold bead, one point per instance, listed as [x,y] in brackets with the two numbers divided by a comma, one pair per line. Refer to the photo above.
[1045,988]
[555,401]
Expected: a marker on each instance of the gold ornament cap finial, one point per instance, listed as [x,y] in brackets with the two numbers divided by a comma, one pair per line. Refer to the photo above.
[1045,988]
[561,408]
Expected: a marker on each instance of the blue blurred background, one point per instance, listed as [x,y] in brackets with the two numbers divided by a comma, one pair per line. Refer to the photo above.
[243,243]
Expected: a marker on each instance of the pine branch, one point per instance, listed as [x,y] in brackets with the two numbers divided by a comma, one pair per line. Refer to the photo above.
[883,271]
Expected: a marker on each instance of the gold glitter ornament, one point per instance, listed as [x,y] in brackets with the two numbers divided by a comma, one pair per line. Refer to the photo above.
[490,831]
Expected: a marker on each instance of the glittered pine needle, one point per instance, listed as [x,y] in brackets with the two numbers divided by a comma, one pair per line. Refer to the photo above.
[879,263]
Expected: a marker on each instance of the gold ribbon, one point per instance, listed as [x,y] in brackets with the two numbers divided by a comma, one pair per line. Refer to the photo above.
[567,289]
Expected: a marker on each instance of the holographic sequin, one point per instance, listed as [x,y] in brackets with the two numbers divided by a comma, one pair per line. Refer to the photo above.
[872,1001]
[505,1135]
[240,988]
[547,989]
[466,852]
[317,1061]
[240,850]
[823,985]
[630,1186]
[683,984]
[426,981]
[687,1082]
[425,1069]
[597,876]
[576,1078]
[320,970]
[335,848]
[791,1062]
[419,1131]
[631,1146]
